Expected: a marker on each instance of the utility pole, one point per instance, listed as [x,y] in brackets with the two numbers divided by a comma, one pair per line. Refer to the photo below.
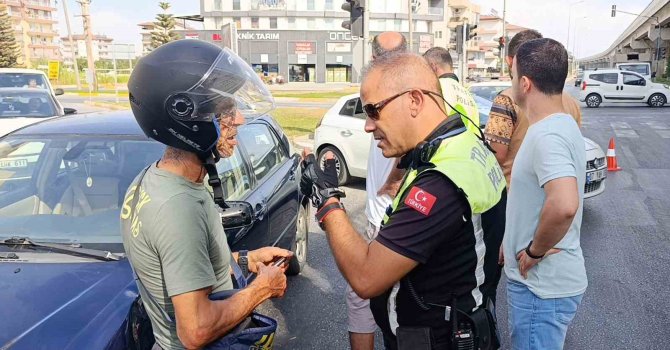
[69,37]
[503,50]
[366,36]
[411,25]
[464,55]
[88,33]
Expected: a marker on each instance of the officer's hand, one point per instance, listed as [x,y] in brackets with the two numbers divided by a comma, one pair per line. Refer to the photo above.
[268,255]
[271,278]
[317,184]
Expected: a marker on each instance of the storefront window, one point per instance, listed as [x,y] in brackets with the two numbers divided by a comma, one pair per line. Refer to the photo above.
[302,72]
[338,73]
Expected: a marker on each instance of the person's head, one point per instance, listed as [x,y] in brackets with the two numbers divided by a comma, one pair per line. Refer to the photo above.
[539,68]
[401,97]
[32,83]
[519,39]
[34,104]
[186,94]
[439,60]
[388,42]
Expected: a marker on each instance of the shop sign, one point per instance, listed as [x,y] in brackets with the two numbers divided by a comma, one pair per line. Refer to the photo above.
[304,48]
[268,5]
[302,59]
[338,47]
[191,36]
[345,36]
[257,36]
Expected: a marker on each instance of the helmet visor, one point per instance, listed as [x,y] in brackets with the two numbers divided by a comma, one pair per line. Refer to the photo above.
[230,84]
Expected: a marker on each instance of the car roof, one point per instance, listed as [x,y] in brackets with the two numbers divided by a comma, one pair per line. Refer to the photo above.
[613,70]
[347,97]
[21,70]
[24,89]
[103,123]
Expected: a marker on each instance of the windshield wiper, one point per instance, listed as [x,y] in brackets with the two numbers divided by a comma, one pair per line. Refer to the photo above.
[65,248]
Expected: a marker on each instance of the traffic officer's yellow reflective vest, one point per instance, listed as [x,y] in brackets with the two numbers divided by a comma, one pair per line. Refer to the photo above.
[469,164]
[460,99]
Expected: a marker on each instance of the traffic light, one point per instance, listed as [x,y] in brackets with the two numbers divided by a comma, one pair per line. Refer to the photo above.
[613,10]
[471,32]
[459,38]
[355,22]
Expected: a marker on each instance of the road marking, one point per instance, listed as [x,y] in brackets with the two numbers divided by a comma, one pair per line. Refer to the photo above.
[657,125]
[626,133]
[663,133]
[620,125]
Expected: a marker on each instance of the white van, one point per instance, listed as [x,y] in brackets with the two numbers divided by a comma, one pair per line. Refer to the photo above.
[641,68]
[614,85]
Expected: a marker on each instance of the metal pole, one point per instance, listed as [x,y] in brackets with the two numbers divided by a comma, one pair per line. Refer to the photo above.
[72,48]
[503,50]
[464,60]
[88,32]
[366,36]
[658,38]
[411,25]
[116,74]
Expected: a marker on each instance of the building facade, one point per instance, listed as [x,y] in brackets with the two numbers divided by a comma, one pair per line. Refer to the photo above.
[147,27]
[101,44]
[490,32]
[303,40]
[35,24]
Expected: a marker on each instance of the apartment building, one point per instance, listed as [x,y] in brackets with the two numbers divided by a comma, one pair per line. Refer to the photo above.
[147,27]
[101,45]
[490,31]
[35,24]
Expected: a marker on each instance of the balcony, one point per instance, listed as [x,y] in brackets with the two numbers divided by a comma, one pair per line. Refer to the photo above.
[436,11]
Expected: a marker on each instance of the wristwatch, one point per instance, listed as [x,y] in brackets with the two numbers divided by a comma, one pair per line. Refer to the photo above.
[243,261]
[536,257]
[327,209]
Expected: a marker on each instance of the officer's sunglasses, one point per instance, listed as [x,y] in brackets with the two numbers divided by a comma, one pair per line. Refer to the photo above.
[373,109]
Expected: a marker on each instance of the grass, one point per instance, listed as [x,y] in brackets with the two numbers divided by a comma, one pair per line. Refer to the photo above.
[298,121]
[662,80]
[316,95]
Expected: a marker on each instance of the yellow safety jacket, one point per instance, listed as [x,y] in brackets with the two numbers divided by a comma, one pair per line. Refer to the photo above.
[460,99]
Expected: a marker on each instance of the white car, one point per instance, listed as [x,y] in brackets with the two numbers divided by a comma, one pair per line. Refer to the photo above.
[342,131]
[613,85]
[29,78]
[20,107]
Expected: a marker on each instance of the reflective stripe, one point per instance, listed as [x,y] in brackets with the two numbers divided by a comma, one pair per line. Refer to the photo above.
[393,315]
[611,153]
[480,249]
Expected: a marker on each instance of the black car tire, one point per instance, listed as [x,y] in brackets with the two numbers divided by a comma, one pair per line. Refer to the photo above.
[299,246]
[657,100]
[593,100]
[340,164]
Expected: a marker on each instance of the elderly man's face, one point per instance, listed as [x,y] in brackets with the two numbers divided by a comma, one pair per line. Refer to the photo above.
[387,128]
[228,124]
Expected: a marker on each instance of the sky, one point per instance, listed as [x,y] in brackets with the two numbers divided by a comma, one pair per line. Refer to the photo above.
[119,18]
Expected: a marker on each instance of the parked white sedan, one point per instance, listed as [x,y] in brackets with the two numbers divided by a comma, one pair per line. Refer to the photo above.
[342,131]
[20,107]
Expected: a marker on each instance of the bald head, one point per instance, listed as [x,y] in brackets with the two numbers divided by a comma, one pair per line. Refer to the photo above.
[399,71]
[388,42]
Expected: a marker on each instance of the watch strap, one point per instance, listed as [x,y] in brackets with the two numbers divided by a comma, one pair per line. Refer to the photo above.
[531,254]
[243,261]
[327,209]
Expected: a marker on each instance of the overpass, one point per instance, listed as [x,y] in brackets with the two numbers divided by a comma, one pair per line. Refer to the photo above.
[638,41]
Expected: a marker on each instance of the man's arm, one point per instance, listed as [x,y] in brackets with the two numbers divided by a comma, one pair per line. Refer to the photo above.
[201,320]
[393,182]
[560,207]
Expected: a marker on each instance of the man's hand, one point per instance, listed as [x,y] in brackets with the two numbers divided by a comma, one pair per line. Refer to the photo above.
[271,278]
[319,185]
[526,262]
[268,255]
[501,256]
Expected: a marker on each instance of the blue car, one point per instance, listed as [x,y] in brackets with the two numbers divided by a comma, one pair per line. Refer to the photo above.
[64,280]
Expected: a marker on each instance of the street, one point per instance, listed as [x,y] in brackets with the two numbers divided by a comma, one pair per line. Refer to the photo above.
[625,239]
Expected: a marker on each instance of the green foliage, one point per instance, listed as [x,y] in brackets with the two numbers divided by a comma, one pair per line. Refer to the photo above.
[164,27]
[9,50]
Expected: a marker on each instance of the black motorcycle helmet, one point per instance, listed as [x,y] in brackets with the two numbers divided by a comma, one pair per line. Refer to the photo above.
[178,91]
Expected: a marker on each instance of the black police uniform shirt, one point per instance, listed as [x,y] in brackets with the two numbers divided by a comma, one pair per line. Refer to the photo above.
[440,237]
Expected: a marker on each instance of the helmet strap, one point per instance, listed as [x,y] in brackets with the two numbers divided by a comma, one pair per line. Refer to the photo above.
[214,180]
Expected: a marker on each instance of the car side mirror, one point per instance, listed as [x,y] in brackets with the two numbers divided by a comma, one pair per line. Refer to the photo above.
[69,111]
[59,92]
[239,214]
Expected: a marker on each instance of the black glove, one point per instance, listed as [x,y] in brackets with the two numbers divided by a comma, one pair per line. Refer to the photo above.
[319,185]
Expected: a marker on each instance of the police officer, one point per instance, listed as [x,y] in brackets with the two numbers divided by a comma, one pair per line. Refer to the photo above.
[456,95]
[426,265]
[184,94]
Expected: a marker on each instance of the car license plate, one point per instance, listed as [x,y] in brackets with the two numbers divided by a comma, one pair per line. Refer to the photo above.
[596,175]
[13,163]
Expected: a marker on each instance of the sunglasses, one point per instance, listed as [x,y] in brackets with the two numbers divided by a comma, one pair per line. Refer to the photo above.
[372,110]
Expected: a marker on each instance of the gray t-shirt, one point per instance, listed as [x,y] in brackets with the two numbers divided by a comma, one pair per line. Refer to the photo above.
[176,244]
[552,148]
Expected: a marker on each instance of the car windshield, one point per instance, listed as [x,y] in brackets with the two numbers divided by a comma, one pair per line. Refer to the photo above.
[69,189]
[637,68]
[20,80]
[487,92]
[26,103]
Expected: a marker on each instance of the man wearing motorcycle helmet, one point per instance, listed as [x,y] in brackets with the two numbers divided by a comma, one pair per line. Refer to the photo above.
[191,96]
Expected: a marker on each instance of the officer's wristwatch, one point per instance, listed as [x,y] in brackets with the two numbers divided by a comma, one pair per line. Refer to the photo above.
[327,209]
[243,261]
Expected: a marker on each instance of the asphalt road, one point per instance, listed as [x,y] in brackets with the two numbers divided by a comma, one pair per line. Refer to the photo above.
[625,238]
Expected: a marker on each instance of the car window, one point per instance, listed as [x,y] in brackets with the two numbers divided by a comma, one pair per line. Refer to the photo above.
[633,79]
[56,188]
[25,103]
[359,113]
[263,149]
[234,176]
[349,108]
[607,78]
[21,80]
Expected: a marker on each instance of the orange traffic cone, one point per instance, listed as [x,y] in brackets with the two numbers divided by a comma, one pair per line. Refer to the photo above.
[611,157]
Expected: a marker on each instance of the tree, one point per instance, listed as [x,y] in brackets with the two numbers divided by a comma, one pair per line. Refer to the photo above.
[164,27]
[9,50]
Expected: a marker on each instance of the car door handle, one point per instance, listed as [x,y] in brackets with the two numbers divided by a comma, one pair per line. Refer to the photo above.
[617,88]
[346,133]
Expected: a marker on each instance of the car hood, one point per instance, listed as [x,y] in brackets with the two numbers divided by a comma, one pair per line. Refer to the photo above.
[10,124]
[590,144]
[61,302]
